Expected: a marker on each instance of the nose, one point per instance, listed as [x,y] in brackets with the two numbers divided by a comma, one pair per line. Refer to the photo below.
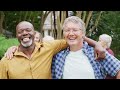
[25,32]
[71,32]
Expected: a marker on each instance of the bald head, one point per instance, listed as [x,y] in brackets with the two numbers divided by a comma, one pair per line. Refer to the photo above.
[24,24]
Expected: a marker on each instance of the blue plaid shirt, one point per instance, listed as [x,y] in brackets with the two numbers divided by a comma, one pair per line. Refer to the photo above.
[110,65]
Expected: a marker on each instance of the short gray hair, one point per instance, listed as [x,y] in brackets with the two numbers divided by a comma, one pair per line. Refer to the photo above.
[25,22]
[76,20]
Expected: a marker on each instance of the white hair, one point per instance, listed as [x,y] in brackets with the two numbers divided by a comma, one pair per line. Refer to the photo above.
[76,20]
[107,39]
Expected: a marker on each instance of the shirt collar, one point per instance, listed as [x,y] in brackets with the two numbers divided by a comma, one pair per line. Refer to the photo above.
[37,47]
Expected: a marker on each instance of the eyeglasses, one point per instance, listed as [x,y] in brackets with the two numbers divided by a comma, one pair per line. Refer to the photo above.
[73,30]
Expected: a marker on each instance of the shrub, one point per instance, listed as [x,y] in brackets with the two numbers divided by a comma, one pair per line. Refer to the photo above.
[6,43]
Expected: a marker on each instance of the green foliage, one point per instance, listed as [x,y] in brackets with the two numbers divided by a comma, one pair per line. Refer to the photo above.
[5,44]
[12,18]
[110,24]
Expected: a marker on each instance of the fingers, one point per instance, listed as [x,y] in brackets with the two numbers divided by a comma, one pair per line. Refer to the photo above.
[9,53]
[101,56]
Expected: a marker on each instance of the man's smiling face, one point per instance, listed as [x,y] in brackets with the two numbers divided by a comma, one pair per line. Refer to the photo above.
[25,33]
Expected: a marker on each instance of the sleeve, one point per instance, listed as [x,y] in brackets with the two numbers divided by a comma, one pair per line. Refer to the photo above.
[111,64]
[53,67]
[58,45]
[57,65]
[3,69]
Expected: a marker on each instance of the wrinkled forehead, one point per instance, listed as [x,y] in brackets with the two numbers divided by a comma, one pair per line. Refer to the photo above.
[24,25]
[72,25]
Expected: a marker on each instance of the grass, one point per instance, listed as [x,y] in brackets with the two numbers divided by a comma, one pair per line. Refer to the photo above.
[6,43]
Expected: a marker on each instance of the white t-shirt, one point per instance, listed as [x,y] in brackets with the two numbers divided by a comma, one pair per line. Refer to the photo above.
[77,66]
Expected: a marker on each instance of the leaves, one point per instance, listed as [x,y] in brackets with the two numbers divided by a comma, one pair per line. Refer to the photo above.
[5,44]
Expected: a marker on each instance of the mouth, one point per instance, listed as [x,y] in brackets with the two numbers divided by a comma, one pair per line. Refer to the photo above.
[71,39]
[26,42]
[25,39]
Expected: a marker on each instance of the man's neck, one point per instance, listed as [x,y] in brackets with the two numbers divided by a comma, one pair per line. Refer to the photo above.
[27,50]
[76,47]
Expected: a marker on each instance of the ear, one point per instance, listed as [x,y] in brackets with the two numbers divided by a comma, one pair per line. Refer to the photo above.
[83,34]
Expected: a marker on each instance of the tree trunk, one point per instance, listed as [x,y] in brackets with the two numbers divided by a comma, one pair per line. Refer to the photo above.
[88,18]
[1,21]
[60,23]
[79,14]
[43,18]
[41,22]
[26,14]
[54,23]
[96,23]
[84,16]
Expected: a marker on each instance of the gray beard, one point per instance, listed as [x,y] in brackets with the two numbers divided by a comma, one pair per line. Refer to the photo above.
[27,44]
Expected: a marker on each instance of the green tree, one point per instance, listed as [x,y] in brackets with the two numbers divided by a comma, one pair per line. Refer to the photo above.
[110,24]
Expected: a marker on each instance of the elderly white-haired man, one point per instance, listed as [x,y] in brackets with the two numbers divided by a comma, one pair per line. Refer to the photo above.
[77,61]
[106,41]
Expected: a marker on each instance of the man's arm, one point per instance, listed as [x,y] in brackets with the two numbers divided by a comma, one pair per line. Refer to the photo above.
[99,50]
[57,45]
[90,41]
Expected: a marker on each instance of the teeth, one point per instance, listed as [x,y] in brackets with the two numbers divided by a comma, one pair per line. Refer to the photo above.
[26,39]
[71,38]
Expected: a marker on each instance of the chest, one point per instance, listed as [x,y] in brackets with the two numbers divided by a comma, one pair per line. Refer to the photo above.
[77,65]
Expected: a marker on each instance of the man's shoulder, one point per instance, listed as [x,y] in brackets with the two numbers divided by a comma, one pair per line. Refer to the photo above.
[4,59]
[61,53]
[57,41]
[64,51]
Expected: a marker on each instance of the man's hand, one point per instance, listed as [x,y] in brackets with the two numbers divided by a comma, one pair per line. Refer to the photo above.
[10,52]
[99,51]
